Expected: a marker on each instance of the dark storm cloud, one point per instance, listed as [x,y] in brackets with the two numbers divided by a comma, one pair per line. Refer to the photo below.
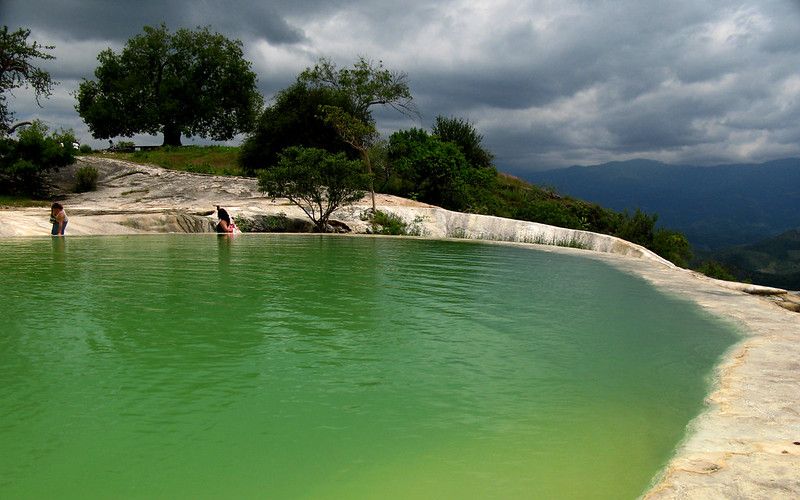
[119,20]
[546,83]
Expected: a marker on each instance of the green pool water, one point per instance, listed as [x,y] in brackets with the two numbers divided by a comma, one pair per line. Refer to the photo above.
[266,366]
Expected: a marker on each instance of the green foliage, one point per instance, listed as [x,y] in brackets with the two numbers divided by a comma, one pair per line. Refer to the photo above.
[24,162]
[295,119]
[464,135]
[449,168]
[315,180]
[714,269]
[426,168]
[85,149]
[354,130]
[326,108]
[16,70]
[86,179]
[551,212]
[638,228]
[517,199]
[278,223]
[21,201]
[389,223]
[207,168]
[673,246]
[186,83]
[216,160]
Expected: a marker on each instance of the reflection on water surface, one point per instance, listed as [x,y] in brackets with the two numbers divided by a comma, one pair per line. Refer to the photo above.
[286,366]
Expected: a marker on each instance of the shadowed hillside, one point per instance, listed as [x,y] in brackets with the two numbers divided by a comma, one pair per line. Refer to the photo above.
[714,206]
[774,262]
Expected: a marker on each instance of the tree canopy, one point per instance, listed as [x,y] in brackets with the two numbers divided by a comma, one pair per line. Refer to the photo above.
[17,70]
[449,168]
[295,119]
[428,169]
[464,135]
[368,84]
[191,82]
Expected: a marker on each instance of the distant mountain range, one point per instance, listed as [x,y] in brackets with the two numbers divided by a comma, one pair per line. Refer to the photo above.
[715,207]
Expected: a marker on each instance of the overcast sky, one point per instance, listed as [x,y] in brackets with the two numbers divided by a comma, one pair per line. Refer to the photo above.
[547,83]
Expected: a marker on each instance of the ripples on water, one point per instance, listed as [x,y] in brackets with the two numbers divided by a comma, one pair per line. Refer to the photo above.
[283,366]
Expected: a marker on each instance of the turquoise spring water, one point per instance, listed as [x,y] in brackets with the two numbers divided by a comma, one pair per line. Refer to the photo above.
[265,366]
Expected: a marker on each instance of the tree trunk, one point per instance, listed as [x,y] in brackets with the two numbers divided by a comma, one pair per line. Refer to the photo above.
[172,135]
[365,156]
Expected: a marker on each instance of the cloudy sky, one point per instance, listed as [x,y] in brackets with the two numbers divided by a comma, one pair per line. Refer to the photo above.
[548,83]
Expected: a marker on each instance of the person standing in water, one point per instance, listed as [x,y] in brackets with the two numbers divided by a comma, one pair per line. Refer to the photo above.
[225,225]
[58,217]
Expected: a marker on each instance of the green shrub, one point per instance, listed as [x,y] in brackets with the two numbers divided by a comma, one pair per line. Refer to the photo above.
[279,223]
[552,212]
[638,228]
[85,149]
[86,179]
[673,246]
[388,223]
[24,162]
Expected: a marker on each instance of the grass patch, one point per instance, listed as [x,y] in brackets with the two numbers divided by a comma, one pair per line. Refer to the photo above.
[21,202]
[215,160]
[539,239]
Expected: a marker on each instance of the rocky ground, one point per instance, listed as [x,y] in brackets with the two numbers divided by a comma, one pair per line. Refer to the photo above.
[134,198]
[745,445]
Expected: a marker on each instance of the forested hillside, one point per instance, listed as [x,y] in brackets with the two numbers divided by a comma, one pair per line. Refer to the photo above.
[774,261]
[714,207]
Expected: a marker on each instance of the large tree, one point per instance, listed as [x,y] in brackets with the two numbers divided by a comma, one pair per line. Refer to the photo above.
[17,70]
[191,82]
[367,85]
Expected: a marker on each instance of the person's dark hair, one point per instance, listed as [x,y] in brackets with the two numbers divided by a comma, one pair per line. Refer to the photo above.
[57,205]
[222,214]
